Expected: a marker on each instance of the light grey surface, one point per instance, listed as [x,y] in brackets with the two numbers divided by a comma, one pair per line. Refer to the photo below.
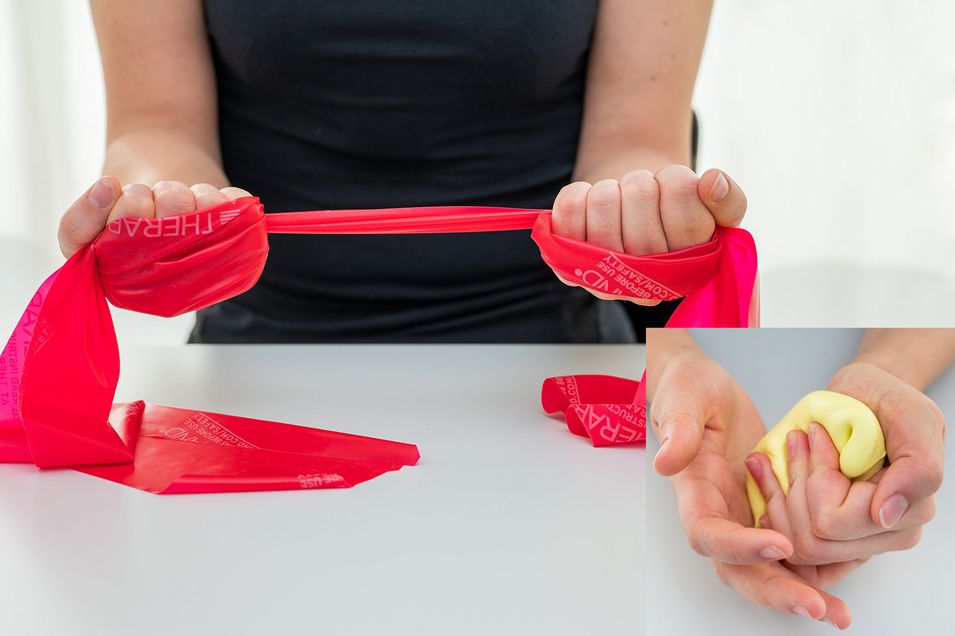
[509,524]
[855,296]
[897,593]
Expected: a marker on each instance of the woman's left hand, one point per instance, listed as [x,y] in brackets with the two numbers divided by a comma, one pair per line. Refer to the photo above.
[647,213]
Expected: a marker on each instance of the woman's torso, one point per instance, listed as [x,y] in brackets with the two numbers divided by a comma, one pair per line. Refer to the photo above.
[367,103]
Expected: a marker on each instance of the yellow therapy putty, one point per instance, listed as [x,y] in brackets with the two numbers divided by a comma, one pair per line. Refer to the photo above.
[854,430]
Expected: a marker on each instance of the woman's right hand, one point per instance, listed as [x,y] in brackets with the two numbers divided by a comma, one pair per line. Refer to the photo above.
[648,213]
[107,200]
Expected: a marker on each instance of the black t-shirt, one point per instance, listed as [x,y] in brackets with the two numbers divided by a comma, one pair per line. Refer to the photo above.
[373,103]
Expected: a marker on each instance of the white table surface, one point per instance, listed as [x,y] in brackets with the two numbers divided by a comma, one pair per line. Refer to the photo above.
[509,524]
[897,593]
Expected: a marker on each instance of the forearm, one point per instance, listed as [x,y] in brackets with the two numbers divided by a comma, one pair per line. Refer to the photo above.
[642,68]
[148,155]
[915,356]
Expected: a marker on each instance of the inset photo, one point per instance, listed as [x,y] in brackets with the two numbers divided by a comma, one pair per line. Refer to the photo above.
[797,481]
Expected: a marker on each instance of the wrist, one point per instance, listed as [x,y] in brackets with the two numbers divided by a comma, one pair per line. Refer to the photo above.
[864,381]
[915,356]
[893,363]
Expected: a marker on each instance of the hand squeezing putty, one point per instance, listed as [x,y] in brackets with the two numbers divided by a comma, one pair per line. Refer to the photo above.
[853,427]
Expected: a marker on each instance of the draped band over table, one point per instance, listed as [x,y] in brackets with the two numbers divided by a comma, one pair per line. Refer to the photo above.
[59,370]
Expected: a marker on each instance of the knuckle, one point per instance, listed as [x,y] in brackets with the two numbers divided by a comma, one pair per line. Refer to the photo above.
[734,215]
[677,180]
[135,201]
[762,594]
[570,199]
[640,183]
[66,236]
[910,539]
[694,228]
[894,409]
[174,198]
[933,473]
[604,194]
[568,190]
[805,549]
[71,228]
[721,572]
[137,189]
[936,416]
[743,203]
[167,185]
[822,525]
[697,543]
[234,193]
[798,559]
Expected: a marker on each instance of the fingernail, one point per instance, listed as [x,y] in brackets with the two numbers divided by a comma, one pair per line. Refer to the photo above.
[799,609]
[829,620]
[720,189]
[764,522]
[754,468]
[892,510]
[101,194]
[774,553]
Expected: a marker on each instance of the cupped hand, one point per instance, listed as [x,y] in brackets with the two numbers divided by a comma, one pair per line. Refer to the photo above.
[832,518]
[647,213]
[903,495]
[707,424]
[106,200]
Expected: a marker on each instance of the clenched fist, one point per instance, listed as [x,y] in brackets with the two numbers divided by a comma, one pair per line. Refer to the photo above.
[647,213]
[106,201]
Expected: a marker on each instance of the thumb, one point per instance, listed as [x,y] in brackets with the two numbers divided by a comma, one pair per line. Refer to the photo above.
[722,197]
[905,483]
[678,415]
[87,217]
[914,440]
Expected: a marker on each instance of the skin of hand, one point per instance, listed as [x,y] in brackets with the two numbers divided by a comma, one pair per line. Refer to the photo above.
[903,495]
[817,484]
[707,425]
[836,524]
[106,201]
[799,589]
[842,519]
[649,213]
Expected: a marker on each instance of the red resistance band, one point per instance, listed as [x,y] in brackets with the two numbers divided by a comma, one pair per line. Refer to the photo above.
[59,370]
[605,408]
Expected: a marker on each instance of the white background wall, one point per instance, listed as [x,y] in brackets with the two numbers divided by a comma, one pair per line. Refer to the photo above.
[837,118]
